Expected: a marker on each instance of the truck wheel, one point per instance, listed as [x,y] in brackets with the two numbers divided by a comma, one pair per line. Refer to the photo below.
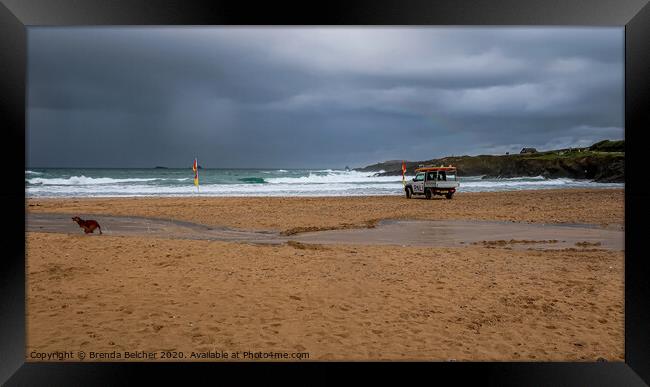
[408,192]
[449,195]
[427,194]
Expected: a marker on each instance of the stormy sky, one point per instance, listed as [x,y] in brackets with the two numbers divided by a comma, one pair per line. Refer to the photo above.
[315,97]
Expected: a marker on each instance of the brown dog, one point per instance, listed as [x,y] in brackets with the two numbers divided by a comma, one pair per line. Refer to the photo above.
[89,226]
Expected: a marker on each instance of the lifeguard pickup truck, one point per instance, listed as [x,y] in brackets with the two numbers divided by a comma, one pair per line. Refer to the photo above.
[429,181]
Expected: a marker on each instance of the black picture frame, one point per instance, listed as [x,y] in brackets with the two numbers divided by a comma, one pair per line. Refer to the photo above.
[17,15]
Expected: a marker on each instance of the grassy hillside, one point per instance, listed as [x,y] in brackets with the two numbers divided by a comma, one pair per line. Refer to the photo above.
[602,162]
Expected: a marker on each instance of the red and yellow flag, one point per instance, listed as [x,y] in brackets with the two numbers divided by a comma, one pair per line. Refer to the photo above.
[403,172]
[195,168]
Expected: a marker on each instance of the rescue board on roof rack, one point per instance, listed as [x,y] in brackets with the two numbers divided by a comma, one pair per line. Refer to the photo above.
[431,180]
[425,169]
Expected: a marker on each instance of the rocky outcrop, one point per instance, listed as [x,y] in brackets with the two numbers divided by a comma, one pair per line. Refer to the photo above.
[575,163]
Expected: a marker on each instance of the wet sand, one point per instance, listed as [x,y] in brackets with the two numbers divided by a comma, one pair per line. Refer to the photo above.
[292,214]
[497,298]
[431,233]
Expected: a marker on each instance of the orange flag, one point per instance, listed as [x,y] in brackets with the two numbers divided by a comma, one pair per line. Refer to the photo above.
[403,172]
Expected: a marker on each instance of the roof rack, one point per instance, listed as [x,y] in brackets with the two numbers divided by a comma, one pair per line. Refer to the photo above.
[434,168]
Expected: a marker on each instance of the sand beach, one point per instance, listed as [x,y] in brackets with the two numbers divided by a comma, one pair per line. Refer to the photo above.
[506,299]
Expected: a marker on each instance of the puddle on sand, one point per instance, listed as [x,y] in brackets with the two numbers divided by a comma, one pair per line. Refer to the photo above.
[456,233]
[447,233]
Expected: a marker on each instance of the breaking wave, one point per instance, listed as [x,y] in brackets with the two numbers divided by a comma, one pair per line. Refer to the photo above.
[330,176]
[324,182]
[83,180]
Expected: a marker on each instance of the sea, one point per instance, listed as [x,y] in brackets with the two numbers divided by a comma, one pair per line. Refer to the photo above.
[95,182]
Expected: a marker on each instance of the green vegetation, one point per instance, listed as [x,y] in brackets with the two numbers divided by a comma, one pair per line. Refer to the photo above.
[573,154]
[603,162]
[609,146]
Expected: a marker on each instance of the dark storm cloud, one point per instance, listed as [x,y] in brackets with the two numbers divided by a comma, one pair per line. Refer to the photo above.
[315,97]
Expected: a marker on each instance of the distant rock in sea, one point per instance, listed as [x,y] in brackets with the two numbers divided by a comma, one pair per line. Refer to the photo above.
[159,167]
